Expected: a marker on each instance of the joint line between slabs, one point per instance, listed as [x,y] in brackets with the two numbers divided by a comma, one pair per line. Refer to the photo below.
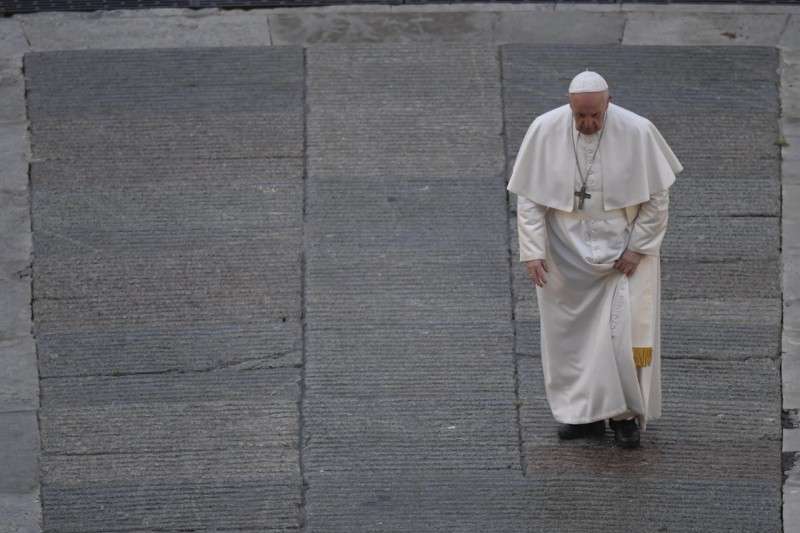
[302,382]
[41,498]
[510,258]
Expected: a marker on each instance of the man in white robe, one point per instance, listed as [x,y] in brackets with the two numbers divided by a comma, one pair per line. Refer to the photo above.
[592,183]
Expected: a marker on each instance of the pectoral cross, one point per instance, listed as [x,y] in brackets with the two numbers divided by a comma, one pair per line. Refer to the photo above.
[582,194]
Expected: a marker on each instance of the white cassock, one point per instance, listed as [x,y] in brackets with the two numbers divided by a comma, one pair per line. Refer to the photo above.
[600,329]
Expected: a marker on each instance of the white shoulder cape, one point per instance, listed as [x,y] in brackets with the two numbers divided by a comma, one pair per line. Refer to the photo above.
[637,161]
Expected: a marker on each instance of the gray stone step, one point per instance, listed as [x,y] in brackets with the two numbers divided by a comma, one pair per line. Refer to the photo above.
[167,213]
[708,406]
[409,368]
[111,104]
[410,109]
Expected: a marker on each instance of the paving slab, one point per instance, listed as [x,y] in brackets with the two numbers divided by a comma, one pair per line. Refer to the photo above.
[696,193]
[15,225]
[214,450]
[233,224]
[19,376]
[211,449]
[790,39]
[13,42]
[360,91]
[309,28]
[721,279]
[790,364]
[131,29]
[14,154]
[22,513]
[168,287]
[699,405]
[721,302]
[407,373]
[15,316]
[12,92]
[704,404]
[90,107]
[790,223]
[699,8]
[242,504]
[728,29]
[379,255]
[690,110]
[575,28]
[19,452]
[790,89]
[423,500]
[148,212]
[791,496]
[722,238]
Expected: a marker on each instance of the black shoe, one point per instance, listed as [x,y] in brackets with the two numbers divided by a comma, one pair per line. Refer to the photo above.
[575,431]
[626,432]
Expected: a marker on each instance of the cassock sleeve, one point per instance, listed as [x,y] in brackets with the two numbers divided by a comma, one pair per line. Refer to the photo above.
[651,224]
[531,229]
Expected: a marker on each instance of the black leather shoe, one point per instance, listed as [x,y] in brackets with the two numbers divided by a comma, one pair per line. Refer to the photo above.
[575,431]
[626,432]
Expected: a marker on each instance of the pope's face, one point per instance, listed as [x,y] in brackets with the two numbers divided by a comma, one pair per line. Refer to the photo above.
[589,110]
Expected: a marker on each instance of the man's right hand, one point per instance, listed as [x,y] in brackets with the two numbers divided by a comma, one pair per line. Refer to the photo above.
[536,270]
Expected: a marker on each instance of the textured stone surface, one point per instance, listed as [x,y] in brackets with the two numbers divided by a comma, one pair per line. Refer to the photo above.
[791,439]
[790,367]
[168,206]
[12,92]
[14,153]
[19,378]
[722,239]
[379,111]
[119,29]
[87,107]
[12,38]
[790,347]
[704,403]
[790,40]
[718,29]
[538,27]
[168,286]
[19,450]
[791,496]
[424,499]
[314,28]
[753,278]
[696,193]
[208,449]
[21,512]
[233,224]
[708,122]
[409,369]
[15,314]
[721,300]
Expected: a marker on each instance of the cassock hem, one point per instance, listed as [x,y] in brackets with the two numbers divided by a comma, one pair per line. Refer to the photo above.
[587,420]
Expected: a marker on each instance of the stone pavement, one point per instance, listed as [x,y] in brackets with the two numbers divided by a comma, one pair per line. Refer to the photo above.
[251,287]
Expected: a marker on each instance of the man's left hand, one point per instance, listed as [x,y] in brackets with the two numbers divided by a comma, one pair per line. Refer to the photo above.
[628,262]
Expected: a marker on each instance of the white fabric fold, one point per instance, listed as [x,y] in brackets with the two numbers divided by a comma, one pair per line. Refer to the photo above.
[636,156]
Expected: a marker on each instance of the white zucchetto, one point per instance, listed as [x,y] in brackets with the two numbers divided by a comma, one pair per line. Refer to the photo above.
[588,82]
